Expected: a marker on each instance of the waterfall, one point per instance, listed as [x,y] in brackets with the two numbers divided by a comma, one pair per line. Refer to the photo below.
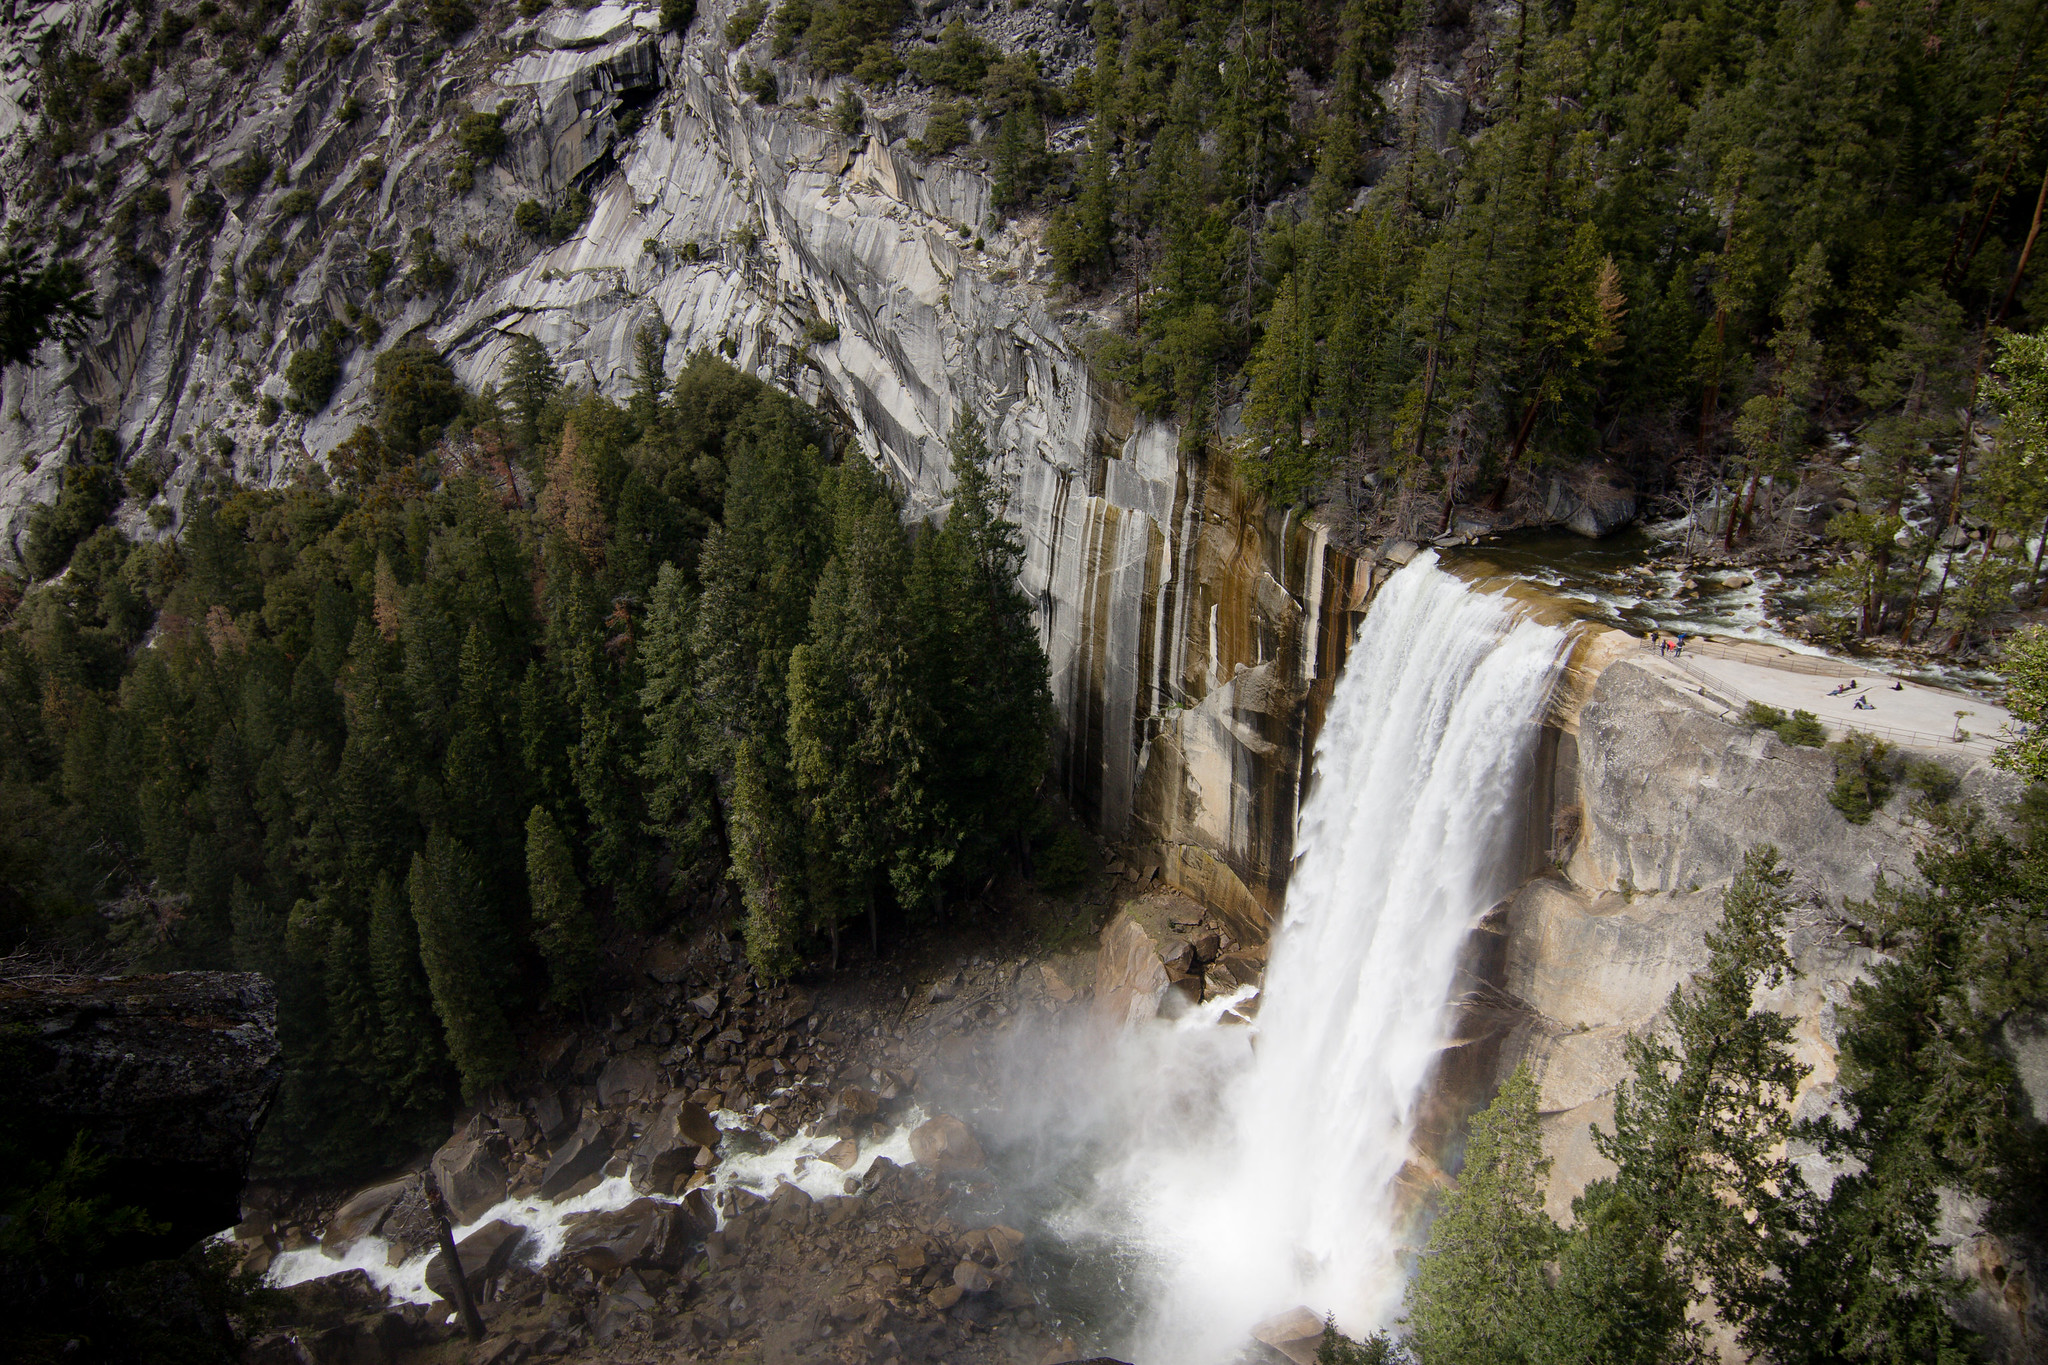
[1282,1192]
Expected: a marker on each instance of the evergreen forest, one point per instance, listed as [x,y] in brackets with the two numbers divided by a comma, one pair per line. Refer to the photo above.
[530,669]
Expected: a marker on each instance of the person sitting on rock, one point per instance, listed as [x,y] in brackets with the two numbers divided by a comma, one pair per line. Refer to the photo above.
[1898,687]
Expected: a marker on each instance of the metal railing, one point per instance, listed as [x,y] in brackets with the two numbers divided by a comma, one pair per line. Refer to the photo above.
[1983,745]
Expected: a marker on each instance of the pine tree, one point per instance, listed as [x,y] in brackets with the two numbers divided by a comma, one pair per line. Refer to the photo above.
[529,381]
[1479,1296]
[681,799]
[1772,425]
[984,679]
[1700,1127]
[562,928]
[463,952]
[858,729]
[411,1062]
[1617,1302]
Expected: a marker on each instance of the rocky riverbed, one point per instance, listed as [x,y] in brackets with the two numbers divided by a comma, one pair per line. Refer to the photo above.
[726,1170]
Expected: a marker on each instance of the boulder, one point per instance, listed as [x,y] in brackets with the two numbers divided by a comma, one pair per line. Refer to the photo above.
[471,1177]
[628,1079]
[550,1115]
[362,1216]
[665,1156]
[1593,500]
[973,1278]
[694,1122]
[666,962]
[645,1233]
[856,1103]
[843,1153]
[581,1157]
[944,1143]
[1296,1334]
[790,1207]
[1130,980]
[485,1254]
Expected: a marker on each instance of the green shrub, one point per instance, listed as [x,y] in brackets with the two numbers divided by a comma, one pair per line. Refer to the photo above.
[431,271]
[532,9]
[571,216]
[760,84]
[377,268]
[417,395]
[1804,729]
[745,23]
[848,113]
[339,46]
[1934,782]
[371,174]
[943,131]
[152,199]
[877,64]
[677,15]
[821,332]
[1762,716]
[481,135]
[201,205]
[312,373]
[1063,864]
[144,479]
[1865,768]
[267,410]
[297,202]
[531,218]
[88,495]
[792,17]
[462,175]
[349,110]
[450,18]
[959,63]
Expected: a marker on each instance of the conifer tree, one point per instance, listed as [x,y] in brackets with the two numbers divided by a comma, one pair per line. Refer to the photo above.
[411,1061]
[858,730]
[562,927]
[463,952]
[681,801]
[1700,1127]
[1479,1296]
[1772,425]
[529,381]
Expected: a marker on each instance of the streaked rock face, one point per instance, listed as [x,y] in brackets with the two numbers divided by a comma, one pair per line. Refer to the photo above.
[1188,628]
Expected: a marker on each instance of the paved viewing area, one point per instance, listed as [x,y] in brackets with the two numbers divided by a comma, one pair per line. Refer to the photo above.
[1916,715]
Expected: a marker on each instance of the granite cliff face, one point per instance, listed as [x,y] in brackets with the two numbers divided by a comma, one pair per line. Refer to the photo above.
[1665,797]
[1189,628]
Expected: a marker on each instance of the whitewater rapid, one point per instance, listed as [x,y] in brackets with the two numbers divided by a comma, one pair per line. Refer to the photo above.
[1259,1174]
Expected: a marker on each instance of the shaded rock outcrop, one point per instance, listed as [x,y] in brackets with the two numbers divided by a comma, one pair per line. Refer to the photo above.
[169,1076]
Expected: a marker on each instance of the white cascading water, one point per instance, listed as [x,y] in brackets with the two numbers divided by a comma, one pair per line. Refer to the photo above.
[1282,1195]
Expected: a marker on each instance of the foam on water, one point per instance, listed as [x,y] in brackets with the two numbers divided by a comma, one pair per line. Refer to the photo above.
[797,1160]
